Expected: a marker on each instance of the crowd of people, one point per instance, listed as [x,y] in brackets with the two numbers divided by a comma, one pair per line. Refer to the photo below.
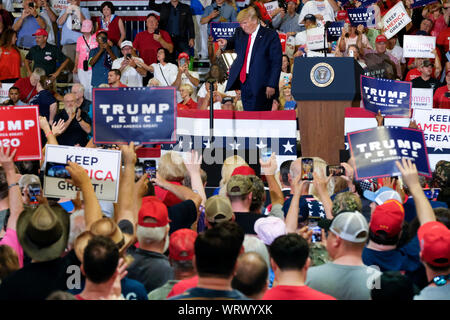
[274,236]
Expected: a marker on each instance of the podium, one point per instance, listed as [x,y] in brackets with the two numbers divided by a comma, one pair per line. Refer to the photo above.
[323,88]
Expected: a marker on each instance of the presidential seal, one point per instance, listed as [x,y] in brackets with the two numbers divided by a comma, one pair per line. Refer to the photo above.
[322,75]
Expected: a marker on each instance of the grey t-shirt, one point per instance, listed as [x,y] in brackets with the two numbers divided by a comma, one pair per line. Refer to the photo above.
[341,281]
[434,293]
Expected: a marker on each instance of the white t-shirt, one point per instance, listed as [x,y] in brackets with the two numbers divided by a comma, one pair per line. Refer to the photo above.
[220,87]
[317,7]
[165,74]
[397,52]
[130,77]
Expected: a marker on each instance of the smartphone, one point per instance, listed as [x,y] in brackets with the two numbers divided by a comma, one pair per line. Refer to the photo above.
[31,4]
[34,190]
[307,168]
[57,170]
[138,171]
[156,31]
[128,55]
[265,154]
[317,231]
[150,168]
[335,170]
[182,61]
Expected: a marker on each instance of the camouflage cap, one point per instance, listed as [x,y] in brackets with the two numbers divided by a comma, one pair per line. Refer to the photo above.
[441,174]
[346,201]
[239,185]
[258,192]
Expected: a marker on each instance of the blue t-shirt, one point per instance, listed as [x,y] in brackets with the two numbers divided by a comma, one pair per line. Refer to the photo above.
[290,105]
[68,36]
[410,208]
[131,289]
[400,259]
[101,68]
[25,35]
[44,99]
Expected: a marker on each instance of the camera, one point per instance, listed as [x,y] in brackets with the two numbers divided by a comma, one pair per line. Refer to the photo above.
[57,170]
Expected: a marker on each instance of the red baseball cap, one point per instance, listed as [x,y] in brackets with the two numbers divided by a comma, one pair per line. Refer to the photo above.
[183,55]
[434,239]
[381,38]
[181,244]
[243,170]
[155,209]
[41,32]
[388,217]
[294,1]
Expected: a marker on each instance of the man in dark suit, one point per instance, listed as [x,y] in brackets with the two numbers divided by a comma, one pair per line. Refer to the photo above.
[256,70]
[176,19]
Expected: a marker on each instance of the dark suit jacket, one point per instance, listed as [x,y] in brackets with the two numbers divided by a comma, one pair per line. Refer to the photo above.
[186,24]
[265,63]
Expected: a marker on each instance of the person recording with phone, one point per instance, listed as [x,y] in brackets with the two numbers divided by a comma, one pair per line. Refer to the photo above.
[101,59]
[184,76]
[132,73]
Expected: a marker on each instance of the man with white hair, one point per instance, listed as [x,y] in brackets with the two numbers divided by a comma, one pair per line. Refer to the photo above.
[81,101]
[151,267]
[77,123]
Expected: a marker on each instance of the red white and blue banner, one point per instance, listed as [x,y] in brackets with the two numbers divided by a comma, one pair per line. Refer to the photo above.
[359,119]
[391,97]
[237,132]
[376,150]
[140,114]
[19,129]
[363,16]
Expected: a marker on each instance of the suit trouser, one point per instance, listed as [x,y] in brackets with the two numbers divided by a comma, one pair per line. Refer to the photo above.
[255,102]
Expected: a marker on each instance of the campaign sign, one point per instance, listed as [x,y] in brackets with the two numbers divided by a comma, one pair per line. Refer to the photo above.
[418,46]
[314,38]
[223,30]
[421,3]
[395,20]
[376,150]
[363,16]
[422,98]
[102,165]
[143,115]
[4,91]
[271,6]
[392,98]
[334,30]
[19,129]
[435,124]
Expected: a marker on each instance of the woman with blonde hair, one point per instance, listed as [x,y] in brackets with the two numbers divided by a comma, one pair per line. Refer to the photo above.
[171,168]
[9,262]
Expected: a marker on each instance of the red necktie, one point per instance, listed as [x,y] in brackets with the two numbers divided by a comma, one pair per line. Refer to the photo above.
[243,73]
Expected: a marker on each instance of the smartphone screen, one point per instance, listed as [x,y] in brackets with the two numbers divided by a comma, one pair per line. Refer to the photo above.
[317,231]
[335,170]
[150,168]
[307,168]
[138,171]
[182,61]
[56,170]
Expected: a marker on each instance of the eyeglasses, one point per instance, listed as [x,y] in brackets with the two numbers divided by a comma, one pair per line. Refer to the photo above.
[440,280]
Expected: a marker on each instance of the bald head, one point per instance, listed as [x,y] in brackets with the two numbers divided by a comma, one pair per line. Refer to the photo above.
[251,275]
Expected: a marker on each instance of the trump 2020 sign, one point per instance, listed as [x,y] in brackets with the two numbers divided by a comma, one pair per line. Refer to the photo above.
[142,115]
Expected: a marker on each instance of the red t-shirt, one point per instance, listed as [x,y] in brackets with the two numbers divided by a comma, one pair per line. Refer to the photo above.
[412,74]
[295,293]
[440,101]
[182,286]
[442,39]
[147,46]
[26,90]
[167,197]
[9,63]
[190,105]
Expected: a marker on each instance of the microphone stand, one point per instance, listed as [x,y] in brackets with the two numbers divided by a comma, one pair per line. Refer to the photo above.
[211,109]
